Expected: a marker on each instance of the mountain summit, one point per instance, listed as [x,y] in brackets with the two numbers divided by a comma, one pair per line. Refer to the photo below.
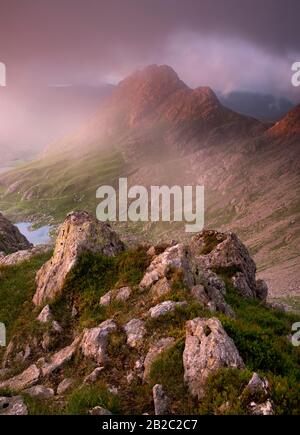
[155,130]
[154,114]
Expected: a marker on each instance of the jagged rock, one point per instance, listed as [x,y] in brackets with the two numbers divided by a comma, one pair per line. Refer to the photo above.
[64,385]
[94,376]
[257,389]
[165,307]
[135,331]
[155,350]
[45,315]
[240,283]
[261,290]
[122,294]
[26,379]
[94,341]
[176,257]
[56,327]
[23,255]
[224,251]
[13,406]
[79,233]
[106,299]
[211,293]
[160,288]
[40,392]
[59,358]
[99,410]
[11,240]
[161,400]
[207,349]
[265,408]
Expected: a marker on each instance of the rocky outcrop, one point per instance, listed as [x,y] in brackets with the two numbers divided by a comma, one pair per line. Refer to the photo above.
[135,331]
[256,396]
[24,255]
[94,341]
[61,357]
[165,307]
[40,391]
[94,376]
[225,253]
[79,233]
[26,379]
[13,406]
[211,293]
[119,295]
[174,258]
[161,400]
[11,240]
[45,315]
[64,385]
[207,349]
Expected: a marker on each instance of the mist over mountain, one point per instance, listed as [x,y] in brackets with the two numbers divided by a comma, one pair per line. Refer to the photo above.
[153,128]
[261,106]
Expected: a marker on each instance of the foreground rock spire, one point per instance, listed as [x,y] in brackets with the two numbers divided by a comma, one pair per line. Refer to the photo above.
[79,233]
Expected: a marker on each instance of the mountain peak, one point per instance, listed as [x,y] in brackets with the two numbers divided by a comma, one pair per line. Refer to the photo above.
[289,124]
[154,74]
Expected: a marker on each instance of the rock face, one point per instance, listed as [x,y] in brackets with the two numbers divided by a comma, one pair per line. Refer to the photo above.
[11,240]
[165,307]
[59,358]
[135,331]
[207,349]
[225,252]
[94,341]
[13,406]
[176,257]
[120,295]
[79,233]
[211,293]
[23,255]
[26,379]
[45,315]
[161,400]
[40,392]
[64,385]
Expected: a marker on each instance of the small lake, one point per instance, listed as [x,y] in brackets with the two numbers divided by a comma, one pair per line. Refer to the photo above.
[38,236]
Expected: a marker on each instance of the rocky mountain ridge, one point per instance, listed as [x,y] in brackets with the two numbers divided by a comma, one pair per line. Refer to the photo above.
[154,127]
[119,318]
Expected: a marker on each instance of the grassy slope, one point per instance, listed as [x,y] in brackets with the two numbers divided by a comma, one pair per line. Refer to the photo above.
[49,188]
[259,333]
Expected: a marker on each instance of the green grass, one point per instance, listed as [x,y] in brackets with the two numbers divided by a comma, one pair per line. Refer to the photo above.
[17,287]
[83,399]
[50,188]
[93,276]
